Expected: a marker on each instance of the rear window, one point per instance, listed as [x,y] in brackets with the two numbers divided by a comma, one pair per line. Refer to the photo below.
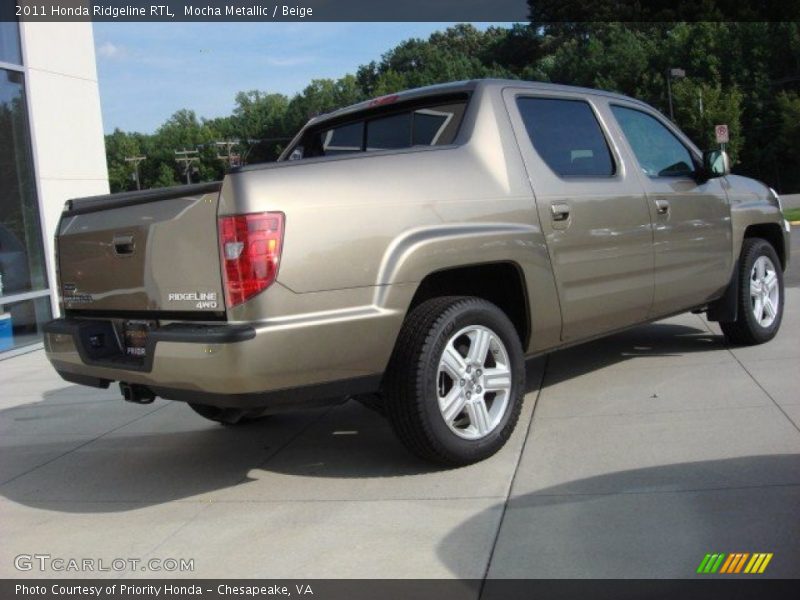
[566,134]
[427,125]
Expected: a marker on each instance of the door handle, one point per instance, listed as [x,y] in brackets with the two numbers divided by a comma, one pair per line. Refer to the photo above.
[662,207]
[559,212]
[123,245]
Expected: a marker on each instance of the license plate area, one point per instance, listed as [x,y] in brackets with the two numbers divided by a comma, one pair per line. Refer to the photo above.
[135,338]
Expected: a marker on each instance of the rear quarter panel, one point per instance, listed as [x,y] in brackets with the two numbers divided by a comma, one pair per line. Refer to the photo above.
[380,222]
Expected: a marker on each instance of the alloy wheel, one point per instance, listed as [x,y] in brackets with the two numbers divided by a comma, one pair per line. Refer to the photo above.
[764,292]
[474,382]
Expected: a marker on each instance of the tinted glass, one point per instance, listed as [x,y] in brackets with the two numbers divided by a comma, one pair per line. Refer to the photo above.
[566,134]
[389,132]
[433,125]
[658,151]
[9,34]
[344,139]
[437,125]
[22,267]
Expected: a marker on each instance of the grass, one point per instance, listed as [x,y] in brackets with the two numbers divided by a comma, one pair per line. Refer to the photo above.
[792,214]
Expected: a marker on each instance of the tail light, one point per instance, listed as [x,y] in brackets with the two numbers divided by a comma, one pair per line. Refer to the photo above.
[250,248]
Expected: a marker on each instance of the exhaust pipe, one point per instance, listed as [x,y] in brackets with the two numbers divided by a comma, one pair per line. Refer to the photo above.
[138,394]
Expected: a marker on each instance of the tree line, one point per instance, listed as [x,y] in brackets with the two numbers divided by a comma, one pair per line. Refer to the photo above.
[746,75]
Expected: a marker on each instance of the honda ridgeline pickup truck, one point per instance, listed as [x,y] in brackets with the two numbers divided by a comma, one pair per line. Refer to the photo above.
[412,251]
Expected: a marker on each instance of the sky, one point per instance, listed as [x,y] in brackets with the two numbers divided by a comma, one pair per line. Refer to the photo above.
[147,71]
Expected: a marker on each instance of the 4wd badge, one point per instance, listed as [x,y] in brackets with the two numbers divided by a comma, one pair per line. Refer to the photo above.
[207,300]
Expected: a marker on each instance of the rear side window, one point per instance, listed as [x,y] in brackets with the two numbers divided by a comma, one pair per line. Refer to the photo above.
[434,125]
[658,151]
[344,139]
[567,136]
[389,132]
[437,125]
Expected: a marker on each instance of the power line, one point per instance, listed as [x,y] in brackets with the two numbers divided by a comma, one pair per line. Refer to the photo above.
[187,158]
[233,160]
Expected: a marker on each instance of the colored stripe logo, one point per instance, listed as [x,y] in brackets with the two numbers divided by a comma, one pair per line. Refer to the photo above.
[737,562]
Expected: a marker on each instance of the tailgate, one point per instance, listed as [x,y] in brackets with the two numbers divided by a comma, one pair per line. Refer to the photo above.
[142,251]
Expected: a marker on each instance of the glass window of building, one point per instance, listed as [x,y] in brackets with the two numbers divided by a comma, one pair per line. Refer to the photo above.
[9,35]
[24,298]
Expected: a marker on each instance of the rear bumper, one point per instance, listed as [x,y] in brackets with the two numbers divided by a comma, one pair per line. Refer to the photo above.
[228,365]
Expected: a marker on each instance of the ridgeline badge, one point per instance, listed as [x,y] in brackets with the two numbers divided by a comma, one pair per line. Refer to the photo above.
[201,299]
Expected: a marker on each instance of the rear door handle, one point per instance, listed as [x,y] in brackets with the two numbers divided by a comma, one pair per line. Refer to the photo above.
[662,207]
[123,245]
[559,212]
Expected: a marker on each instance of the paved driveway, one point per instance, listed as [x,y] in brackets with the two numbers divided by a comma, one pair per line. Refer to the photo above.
[635,456]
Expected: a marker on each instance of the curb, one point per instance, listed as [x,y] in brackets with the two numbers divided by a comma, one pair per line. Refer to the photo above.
[794,222]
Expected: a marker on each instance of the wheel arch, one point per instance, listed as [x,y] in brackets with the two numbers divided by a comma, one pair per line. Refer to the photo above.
[772,233]
[725,308]
[500,282]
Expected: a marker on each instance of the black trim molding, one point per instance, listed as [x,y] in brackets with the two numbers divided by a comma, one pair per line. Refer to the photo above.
[97,203]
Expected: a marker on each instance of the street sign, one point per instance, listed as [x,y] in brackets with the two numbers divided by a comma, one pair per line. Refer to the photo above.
[721,132]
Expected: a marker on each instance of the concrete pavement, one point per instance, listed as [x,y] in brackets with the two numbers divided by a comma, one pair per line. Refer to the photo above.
[635,456]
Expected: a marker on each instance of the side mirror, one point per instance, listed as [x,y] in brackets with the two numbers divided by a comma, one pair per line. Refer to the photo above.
[716,163]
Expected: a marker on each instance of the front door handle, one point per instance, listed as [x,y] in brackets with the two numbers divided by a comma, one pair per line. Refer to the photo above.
[559,212]
[662,207]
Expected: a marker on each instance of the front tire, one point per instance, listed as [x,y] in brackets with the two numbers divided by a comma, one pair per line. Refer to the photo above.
[454,387]
[760,299]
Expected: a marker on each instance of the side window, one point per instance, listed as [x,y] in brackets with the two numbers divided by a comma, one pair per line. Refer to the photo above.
[389,132]
[435,124]
[566,134]
[343,139]
[659,152]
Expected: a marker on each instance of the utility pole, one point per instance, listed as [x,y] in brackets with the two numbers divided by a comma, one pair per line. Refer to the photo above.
[677,74]
[135,160]
[187,158]
[227,157]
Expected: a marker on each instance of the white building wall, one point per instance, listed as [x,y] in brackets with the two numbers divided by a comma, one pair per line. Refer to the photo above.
[65,119]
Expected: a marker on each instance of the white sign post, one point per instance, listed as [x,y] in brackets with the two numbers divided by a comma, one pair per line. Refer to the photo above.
[721,132]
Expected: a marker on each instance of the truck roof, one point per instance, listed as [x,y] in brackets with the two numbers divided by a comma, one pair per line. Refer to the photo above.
[470,85]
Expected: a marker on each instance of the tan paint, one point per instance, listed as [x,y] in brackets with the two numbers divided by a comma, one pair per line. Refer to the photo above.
[174,251]
[363,230]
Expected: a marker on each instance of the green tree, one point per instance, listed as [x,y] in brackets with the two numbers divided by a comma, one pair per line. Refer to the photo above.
[322,96]
[787,158]
[119,146]
[258,121]
[747,74]
[165,176]
[701,106]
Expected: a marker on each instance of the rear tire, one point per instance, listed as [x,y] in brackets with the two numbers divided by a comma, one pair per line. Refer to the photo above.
[455,384]
[760,299]
[227,416]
